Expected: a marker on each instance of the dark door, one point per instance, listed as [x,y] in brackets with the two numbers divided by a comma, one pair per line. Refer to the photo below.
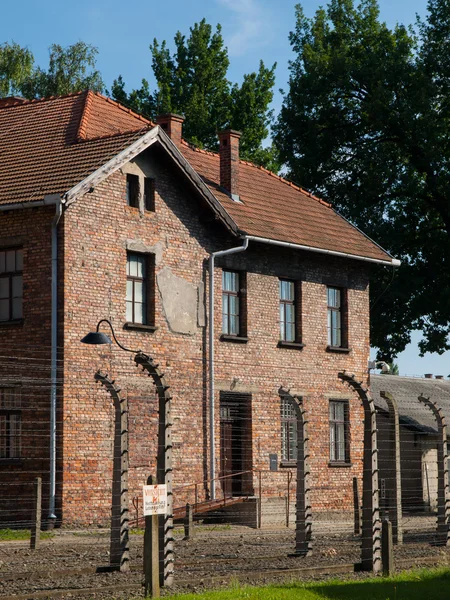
[235,442]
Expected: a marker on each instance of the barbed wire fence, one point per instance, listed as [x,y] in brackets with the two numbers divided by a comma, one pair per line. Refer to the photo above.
[252,529]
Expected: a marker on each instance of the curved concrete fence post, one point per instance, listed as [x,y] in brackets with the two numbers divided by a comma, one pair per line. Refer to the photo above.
[395,473]
[443,508]
[303,515]
[164,463]
[119,548]
[371,524]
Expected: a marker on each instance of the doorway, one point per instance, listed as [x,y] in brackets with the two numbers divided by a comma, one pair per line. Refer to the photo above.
[235,443]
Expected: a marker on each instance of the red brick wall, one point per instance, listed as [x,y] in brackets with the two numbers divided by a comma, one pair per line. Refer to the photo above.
[95,230]
[25,359]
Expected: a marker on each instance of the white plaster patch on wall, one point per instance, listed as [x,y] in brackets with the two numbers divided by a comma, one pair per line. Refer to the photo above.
[179,300]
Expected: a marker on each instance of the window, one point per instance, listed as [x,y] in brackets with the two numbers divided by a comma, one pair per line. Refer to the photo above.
[149,194]
[11,284]
[339,431]
[133,190]
[140,288]
[290,311]
[10,422]
[289,422]
[337,317]
[230,303]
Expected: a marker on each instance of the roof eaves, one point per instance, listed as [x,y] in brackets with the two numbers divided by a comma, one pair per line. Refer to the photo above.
[394,261]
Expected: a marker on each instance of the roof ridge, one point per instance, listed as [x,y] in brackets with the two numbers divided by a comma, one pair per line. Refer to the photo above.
[113,135]
[26,101]
[261,168]
[81,133]
[124,108]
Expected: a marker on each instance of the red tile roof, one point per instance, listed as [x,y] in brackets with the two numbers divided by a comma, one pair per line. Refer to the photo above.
[275,208]
[48,146]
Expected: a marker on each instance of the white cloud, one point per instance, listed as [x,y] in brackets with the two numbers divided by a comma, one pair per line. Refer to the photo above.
[250,25]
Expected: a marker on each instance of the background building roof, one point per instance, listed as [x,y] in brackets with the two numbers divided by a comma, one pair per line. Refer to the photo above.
[406,391]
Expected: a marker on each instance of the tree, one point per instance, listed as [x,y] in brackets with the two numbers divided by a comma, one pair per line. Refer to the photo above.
[16,64]
[71,69]
[193,81]
[365,124]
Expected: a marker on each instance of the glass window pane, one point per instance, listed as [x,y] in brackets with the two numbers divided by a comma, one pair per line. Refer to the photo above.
[289,313]
[138,312]
[290,332]
[11,260]
[234,305]
[339,411]
[4,310]
[129,315]
[132,266]
[19,260]
[4,287]
[225,324]
[2,262]
[140,266]
[129,290]
[17,286]
[17,310]
[138,291]
[234,325]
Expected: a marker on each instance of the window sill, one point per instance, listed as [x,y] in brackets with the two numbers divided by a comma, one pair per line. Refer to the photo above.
[140,327]
[340,465]
[293,345]
[225,337]
[13,323]
[288,464]
[338,349]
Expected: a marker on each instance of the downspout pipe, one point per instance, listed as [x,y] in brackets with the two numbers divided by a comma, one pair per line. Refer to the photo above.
[54,361]
[212,457]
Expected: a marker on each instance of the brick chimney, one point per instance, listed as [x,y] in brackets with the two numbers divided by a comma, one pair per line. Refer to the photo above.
[229,162]
[172,125]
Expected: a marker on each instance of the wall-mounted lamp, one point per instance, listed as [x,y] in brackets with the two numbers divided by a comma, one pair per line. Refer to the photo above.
[98,338]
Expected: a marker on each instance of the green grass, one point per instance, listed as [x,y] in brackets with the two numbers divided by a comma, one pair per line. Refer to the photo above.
[431,584]
[8,535]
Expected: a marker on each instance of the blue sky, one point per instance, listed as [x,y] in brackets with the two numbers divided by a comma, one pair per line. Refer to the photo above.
[122,32]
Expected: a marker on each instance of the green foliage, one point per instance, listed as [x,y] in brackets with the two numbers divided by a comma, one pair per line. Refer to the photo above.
[71,69]
[16,64]
[413,585]
[365,125]
[193,82]
[8,535]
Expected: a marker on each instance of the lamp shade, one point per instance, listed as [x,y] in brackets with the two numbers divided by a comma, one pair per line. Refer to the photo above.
[96,337]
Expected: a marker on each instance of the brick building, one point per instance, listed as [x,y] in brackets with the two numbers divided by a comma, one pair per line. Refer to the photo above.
[104,215]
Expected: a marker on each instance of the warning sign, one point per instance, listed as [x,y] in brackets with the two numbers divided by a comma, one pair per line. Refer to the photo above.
[155,500]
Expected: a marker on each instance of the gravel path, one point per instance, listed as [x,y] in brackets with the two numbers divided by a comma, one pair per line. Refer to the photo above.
[68,561]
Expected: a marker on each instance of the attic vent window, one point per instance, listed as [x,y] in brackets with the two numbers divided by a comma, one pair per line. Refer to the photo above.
[133,190]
